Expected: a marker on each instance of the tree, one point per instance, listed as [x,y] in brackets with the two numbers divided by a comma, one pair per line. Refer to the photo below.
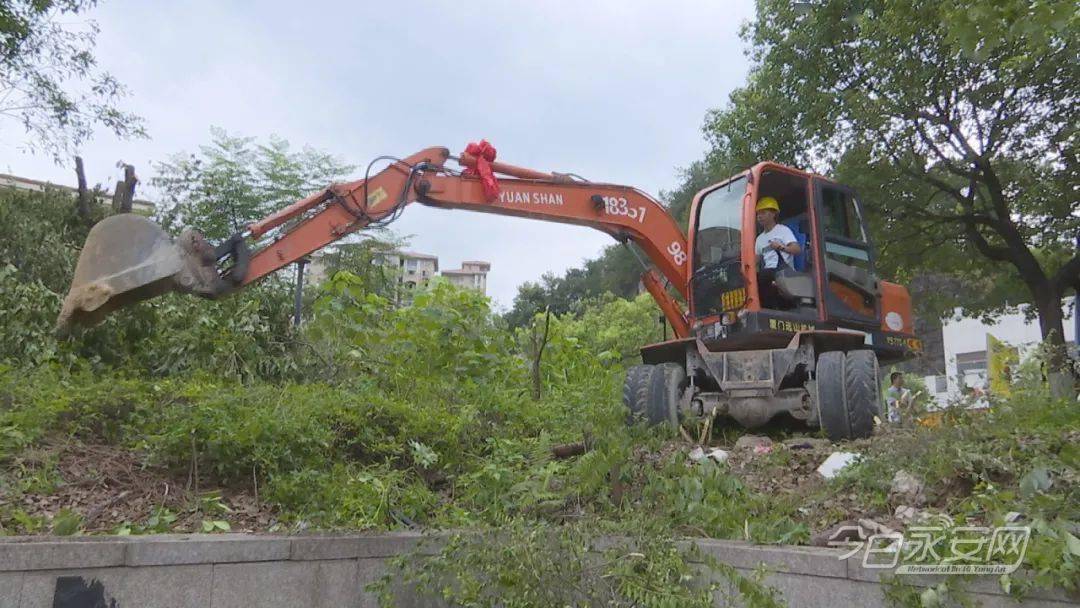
[972,106]
[615,272]
[233,181]
[49,79]
[363,257]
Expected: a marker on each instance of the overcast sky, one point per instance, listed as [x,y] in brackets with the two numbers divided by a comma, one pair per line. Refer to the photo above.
[614,91]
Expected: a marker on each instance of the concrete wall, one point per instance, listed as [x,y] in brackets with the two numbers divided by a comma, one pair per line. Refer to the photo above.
[232,570]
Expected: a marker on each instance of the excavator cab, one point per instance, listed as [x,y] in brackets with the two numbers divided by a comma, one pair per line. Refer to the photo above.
[830,284]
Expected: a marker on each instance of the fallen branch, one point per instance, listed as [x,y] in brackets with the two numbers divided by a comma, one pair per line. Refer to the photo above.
[568,450]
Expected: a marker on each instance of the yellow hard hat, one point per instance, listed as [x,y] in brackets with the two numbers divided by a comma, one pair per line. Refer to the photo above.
[767,202]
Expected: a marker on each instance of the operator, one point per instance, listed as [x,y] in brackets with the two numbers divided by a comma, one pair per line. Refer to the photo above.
[775,247]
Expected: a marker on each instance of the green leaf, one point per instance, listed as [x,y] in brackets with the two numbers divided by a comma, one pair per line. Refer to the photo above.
[66,523]
[1073,544]
[1035,481]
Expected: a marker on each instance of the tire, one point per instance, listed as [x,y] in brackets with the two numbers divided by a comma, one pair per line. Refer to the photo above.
[665,393]
[652,393]
[635,391]
[847,393]
[863,392]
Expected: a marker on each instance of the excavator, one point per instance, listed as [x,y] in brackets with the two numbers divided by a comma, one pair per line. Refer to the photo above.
[809,356]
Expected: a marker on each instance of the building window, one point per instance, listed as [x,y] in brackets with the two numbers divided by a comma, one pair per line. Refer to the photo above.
[410,265]
[970,362]
[941,384]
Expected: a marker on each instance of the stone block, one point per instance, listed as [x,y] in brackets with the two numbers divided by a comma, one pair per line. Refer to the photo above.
[205,549]
[10,588]
[394,544]
[803,591]
[305,548]
[36,554]
[815,561]
[313,584]
[149,587]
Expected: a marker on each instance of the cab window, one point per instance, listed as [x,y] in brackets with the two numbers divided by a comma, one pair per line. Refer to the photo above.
[716,283]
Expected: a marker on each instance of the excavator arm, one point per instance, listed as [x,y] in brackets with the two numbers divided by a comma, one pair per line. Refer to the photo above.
[308,225]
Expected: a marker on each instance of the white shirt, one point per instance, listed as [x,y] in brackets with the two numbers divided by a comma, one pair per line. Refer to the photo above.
[780,233]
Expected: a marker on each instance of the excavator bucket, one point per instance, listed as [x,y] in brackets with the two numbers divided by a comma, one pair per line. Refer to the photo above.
[126,259]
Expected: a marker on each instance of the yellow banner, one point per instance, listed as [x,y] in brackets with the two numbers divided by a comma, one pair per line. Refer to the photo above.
[1001,360]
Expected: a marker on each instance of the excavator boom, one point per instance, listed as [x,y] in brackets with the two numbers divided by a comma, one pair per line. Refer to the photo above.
[127,258]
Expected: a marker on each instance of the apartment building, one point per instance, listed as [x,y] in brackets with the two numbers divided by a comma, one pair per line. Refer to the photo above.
[472,275]
[416,269]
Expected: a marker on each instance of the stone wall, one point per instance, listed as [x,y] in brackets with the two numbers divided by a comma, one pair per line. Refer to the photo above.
[232,570]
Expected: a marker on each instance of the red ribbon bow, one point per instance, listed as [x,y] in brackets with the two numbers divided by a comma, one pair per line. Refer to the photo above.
[484,153]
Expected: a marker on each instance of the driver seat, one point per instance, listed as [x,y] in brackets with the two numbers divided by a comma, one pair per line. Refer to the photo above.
[794,283]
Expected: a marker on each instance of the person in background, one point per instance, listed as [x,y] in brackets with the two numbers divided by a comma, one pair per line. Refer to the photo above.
[896,397]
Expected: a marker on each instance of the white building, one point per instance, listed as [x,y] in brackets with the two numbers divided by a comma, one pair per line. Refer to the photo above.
[965,342]
[472,274]
[15,182]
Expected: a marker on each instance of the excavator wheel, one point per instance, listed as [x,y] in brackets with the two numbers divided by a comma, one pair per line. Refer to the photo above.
[652,392]
[847,393]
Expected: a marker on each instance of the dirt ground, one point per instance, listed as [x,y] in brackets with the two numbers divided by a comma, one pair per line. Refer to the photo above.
[109,486]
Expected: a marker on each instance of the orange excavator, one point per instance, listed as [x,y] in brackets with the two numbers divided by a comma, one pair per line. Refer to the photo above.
[811,355]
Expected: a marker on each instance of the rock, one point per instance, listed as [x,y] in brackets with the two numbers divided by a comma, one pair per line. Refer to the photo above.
[907,489]
[750,442]
[906,514]
[720,456]
[843,532]
[697,454]
[835,463]
[874,527]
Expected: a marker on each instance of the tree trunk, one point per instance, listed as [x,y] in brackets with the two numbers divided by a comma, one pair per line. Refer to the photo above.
[124,193]
[1052,327]
[539,342]
[84,198]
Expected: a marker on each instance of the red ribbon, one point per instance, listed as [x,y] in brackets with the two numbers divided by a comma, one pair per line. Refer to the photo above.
[484,153]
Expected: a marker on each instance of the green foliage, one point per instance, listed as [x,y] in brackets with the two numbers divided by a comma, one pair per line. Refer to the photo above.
[707,500]
[363,258]
[50,83]
[232,181]
[1020,457]
[40,235]
[525,564]
[66,523]
[930,108]
[616,272]
[245,336]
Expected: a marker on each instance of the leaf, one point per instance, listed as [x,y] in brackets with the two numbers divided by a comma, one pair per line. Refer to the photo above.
[66,523]
[1072,543]
[210,525]
[1035,481]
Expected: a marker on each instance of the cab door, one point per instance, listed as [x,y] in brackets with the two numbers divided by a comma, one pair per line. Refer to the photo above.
[852,294]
